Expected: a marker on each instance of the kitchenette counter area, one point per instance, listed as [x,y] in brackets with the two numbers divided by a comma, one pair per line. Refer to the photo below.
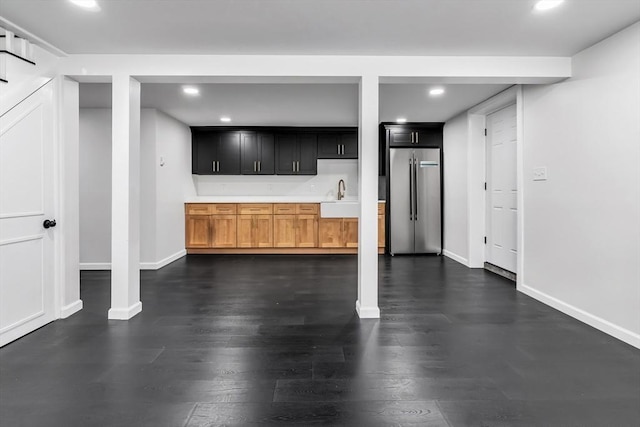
[266,225]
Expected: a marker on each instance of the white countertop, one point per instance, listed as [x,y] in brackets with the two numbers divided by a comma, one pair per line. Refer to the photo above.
[263,199]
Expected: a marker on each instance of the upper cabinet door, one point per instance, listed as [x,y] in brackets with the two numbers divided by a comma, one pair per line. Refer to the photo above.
[249,153]
[401,137]
[205,147]
[267,147]
[329,146]
[257,153]
[307,154]
[422,135]
[349,142]
[286,154]
[228,154]
[338,145]
[429,137]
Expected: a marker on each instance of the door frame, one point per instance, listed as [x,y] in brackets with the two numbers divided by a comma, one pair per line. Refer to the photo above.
[477,166]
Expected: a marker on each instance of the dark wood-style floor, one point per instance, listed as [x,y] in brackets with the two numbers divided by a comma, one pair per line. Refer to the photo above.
[270,340]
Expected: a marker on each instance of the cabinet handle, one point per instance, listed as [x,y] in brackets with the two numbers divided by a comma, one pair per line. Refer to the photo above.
[343,149]
[259,166]
[338,149]
[213,165]
[417,138]
[217,166]
[298,162]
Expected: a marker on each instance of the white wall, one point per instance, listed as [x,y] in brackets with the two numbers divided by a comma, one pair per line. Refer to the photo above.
[455,149]
[582,227]
[173,184]
[95,185]
[148,211]
[162,188]
[322,185]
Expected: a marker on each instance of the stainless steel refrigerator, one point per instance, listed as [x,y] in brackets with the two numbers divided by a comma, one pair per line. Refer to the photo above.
[414,191]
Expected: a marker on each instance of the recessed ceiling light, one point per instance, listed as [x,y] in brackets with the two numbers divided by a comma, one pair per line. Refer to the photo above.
[225,119]
[547,4]
[190,90]
[87,4]
[401,120]
[436,91]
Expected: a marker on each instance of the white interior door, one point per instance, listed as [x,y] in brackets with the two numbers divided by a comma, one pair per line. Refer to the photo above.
[27,297]
[502,189]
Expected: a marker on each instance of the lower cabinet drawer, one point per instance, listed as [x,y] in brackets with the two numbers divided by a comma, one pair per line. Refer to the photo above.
[255,209]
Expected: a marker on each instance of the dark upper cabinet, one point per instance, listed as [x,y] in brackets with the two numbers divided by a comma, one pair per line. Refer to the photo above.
[257,153]
[296,154]
[338,145]
[415,135]
[215,152]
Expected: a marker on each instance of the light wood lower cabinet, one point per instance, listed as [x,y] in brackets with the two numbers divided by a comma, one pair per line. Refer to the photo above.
[223,231]
[306,231]
[381,226]
[255,231]
[338,232]
[280,226]
[198,231]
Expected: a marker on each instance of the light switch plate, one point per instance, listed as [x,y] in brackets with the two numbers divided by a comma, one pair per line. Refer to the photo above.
[540,174]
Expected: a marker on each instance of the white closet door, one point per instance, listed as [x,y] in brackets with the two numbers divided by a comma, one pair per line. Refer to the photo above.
[26,200]
[502,190]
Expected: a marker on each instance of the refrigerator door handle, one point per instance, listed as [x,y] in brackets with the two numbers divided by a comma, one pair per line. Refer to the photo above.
[410,190]
[415,188]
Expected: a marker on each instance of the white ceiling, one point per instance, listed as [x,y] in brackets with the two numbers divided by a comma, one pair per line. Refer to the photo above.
[295,104]
[347,27]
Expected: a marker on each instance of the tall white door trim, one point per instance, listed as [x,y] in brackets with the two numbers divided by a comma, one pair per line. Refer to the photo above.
[501,188]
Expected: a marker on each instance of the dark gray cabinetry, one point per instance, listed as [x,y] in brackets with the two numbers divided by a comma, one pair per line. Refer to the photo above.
[423,135]
[296,154]
[257,153]
[338,145]
[215,153]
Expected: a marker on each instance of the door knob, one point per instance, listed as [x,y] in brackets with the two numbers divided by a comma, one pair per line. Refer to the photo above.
[49,223]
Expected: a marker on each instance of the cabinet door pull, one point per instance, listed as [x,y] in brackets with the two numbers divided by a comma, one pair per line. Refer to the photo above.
[417,138]
[298,166]
[412,137]
[213,165]
[293,166]
[343,149]
[338,149]
[255,169]
[259,166]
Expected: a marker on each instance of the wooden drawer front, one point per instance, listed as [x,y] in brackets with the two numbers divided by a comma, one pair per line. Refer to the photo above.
[307,208]
[255,209]
[223,209]
[381,208]
[284,208]
[197,208]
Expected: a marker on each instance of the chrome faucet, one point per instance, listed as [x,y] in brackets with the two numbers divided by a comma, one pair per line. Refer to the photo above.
[341,189]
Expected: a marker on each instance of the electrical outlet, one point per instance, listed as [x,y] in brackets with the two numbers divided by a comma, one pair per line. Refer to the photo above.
[540,174]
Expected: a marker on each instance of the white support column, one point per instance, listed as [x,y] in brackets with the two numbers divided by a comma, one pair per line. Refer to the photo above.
[367,303]
[125,187]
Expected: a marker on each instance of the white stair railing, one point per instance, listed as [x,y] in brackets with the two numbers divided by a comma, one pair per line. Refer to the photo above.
[13,46]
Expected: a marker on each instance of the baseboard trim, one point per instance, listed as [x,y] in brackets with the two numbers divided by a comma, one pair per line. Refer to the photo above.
[143,265]
[367,312]
[603,325]
[71,309]
[163,262]
[125,313]
[456,257]
[95,266]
